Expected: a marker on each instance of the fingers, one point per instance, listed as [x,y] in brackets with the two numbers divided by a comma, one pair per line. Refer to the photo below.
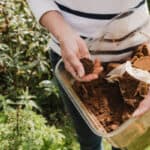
[77,66]
[73,67]
[89,77]
[72,56]
[73,64]
[97,67]
[70,69]
[97,70]
[97,63]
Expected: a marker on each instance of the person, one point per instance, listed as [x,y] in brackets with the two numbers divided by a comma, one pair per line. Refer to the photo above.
[77,26]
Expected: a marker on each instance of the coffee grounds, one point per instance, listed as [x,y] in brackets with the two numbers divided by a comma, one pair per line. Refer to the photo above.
[143,63]
[105,99]
[132,88]
[141,51]
[114,103]
[88,65]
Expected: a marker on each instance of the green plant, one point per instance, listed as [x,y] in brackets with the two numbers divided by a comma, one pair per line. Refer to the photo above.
[25,79]
[24,60]
[148,3]
[26,87]
[23,129]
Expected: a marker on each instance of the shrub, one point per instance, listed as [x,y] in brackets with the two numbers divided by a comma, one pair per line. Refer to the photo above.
[24,61]
[25,77]
[23,129]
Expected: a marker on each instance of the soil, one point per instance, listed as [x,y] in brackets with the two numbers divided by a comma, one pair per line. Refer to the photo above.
[113,103]
[105,101]
[143,63]
[88,65]
[141,52]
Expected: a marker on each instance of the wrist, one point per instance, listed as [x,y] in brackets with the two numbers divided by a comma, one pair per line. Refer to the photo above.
[52,21]
[66,35]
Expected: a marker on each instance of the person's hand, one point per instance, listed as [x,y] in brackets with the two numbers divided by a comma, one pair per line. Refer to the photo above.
[143,107]
[96,71]
[73,48]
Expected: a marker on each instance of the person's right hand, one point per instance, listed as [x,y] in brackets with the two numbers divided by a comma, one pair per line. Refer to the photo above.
[73,48]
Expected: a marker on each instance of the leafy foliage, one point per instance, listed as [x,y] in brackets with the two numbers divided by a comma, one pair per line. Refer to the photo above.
[25,80]
[23,48]
[23,129]
[148,3]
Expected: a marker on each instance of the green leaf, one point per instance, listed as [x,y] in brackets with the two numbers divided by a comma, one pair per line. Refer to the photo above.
[3,118]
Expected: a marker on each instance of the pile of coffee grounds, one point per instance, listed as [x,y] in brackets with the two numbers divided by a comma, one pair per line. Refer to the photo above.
[105,101]
[108,101]
[142,63]
[88,65]
[133,90]
[114,103]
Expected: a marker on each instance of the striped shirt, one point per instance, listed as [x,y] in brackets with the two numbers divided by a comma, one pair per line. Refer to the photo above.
[91,18]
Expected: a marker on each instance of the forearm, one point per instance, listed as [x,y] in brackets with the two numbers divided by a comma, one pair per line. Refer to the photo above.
[72,46]
[56,25]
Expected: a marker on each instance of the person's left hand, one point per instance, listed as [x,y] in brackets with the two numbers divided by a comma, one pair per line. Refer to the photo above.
[143,107]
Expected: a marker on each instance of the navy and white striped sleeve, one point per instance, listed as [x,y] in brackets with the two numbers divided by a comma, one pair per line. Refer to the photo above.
[39,7]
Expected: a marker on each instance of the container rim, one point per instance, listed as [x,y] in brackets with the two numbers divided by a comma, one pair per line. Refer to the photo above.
[83,114]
